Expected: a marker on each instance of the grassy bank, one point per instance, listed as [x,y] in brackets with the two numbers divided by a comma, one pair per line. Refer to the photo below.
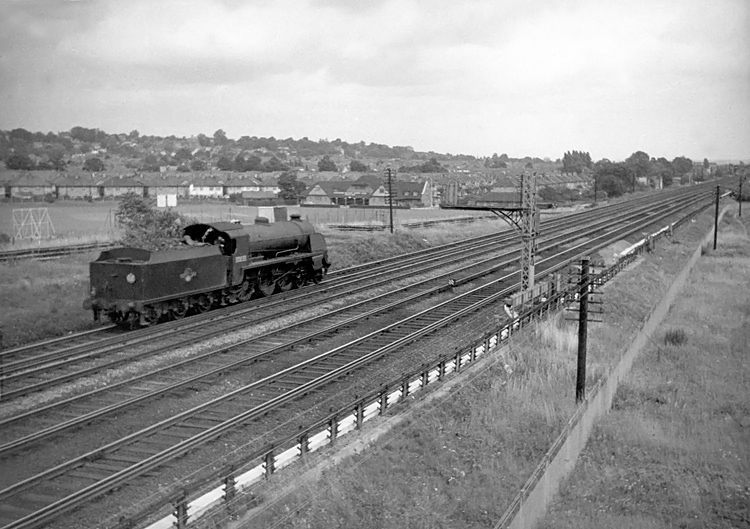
[675,449]
[460,462]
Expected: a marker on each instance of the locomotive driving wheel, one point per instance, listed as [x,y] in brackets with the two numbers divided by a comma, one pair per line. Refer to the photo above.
[286,282]
[266,283]
[245,291]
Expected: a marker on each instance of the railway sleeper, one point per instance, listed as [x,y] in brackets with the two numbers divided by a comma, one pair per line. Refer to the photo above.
[13,510]
[108,465]
[125,458]
[87,473]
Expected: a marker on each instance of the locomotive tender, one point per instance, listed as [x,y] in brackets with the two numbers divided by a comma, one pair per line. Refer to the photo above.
[220,263]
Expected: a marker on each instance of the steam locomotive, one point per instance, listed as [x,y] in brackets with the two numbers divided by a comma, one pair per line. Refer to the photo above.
[219,264]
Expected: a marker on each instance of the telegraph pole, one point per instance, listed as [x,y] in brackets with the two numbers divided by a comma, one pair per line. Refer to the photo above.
[716,215]
[389,175]
[742,177]
[594,188]
[583,295]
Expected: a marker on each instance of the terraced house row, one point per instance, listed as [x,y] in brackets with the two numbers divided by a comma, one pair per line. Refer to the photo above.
[33,185]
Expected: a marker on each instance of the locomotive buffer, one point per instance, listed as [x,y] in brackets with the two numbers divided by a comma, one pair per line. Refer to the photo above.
[525,220]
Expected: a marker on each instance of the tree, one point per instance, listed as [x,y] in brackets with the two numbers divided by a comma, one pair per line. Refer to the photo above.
[203,140]
[93,165]
[613,178]
[134,134]
[290,188]
[146,227]
[576,161]
[638,163]
[198,165]
[274,164]
[57,159]
[183,154]
[706,164]
[19,161]
[220,137]
[225,164]
[358,167]
[613,186]
[326,164]
[150,163]
[682,165]
[21,134]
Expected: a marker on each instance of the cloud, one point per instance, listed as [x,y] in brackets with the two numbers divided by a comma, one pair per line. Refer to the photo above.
[479,76]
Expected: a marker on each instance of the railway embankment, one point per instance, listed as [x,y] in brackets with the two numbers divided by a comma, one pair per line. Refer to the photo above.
[460,459]
[675,449]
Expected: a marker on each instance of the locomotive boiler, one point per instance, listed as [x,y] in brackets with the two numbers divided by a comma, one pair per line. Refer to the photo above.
[218,264]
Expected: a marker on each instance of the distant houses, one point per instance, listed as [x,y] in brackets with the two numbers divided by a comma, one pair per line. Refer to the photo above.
[360,190]
[370,191]
[37,185]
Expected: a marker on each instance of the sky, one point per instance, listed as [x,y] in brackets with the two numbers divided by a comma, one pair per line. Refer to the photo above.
[523,77]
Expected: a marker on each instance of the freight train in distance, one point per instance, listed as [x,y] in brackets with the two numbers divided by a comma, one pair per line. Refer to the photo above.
[218,264]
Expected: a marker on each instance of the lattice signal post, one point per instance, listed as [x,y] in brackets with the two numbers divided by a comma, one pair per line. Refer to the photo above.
[529,230]
[32,223]
[525,219]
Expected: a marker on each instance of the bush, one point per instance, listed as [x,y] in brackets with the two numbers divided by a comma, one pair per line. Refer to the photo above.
[675,337]
[149,228]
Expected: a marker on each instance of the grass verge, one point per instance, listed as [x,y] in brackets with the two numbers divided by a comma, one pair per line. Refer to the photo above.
[675,449]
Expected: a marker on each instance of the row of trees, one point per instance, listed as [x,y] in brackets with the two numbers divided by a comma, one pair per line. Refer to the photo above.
[430,166]
[615,178]
[82,140]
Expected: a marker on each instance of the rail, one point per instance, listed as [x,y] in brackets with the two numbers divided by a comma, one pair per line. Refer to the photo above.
[221,487]
[52,252]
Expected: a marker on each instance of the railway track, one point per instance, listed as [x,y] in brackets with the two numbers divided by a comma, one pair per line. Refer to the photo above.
[52,252]
[36,370]
[94,342]
[113,464]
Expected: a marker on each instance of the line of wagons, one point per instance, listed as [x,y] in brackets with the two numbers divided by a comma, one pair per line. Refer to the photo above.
[218,264]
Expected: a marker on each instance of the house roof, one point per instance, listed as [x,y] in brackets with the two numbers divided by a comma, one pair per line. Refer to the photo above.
[497,197]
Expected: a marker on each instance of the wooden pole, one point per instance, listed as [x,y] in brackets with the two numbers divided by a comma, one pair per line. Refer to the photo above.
[716,216]
[583,308]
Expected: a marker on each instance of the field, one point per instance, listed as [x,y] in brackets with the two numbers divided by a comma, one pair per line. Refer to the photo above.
[80,221]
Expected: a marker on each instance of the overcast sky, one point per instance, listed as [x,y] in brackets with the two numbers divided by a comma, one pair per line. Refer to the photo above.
[522,77]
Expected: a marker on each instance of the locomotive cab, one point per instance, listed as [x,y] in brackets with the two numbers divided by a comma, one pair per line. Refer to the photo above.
[221,234]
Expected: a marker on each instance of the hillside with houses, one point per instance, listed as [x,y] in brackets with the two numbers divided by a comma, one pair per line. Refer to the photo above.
[90,164]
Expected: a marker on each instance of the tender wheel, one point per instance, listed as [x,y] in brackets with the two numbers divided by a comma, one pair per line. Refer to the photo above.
[202,303]
[150,316]
[178,309]
[266,284]
[117,317]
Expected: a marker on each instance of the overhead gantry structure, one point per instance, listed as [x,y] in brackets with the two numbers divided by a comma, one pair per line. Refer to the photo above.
[524,219]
